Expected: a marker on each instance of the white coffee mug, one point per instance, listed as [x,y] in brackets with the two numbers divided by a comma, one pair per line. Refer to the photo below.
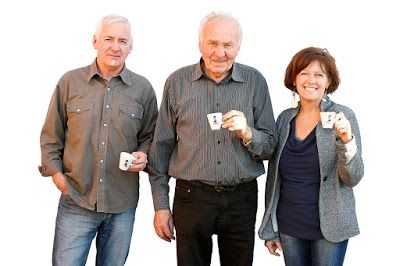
[328,119]
[215,120]
[126,160]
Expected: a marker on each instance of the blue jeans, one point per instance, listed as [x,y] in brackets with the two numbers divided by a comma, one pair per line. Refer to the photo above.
[76,227]
[301,252]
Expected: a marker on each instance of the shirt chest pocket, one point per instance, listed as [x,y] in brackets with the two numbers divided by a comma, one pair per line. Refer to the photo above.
[79,115]
[133,111]
[130,118]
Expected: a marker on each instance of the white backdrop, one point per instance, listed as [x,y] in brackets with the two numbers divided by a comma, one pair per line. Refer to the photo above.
[41,40]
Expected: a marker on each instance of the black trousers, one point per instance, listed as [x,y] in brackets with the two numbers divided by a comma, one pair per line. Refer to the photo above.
[201,210]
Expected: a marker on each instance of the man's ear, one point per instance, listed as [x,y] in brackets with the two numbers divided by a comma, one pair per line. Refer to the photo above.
[94,41]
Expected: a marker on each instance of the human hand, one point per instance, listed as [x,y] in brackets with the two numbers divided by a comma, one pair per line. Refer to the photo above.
[343,128]
[60,181]
[164,225]
[140,163]
[273,246]
[236,121]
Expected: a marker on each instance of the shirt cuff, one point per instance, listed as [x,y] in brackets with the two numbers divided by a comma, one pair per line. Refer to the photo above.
[350,149]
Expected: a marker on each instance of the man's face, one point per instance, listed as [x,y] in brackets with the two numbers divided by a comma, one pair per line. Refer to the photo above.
[113,46]
[219,47]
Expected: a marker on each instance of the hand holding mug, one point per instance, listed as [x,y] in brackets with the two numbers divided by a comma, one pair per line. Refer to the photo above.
[343,128]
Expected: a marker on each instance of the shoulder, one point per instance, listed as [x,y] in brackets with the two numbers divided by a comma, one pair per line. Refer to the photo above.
[183,73]
[81,72]
[249,72]
[286,115]
[138,79]
[335,107]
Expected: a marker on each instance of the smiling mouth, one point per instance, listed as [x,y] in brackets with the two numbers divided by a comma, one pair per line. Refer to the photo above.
[312,89]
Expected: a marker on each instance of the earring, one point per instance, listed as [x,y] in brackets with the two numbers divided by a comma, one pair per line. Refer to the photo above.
[295,100]
[325,97]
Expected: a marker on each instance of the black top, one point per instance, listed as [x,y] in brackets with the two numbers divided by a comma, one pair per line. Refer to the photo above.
[299,171]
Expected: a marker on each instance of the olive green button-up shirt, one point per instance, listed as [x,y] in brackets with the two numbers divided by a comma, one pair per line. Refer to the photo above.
[90,121]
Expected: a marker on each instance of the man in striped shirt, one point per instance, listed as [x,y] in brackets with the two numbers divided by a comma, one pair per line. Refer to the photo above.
[216,170]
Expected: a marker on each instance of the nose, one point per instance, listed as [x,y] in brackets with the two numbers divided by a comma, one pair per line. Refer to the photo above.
[115,46]
[219,51]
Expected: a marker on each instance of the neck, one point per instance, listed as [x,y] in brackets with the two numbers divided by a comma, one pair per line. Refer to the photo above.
[107,72]
[216,78]
[309,107]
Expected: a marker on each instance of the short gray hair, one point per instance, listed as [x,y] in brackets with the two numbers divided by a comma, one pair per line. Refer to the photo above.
[215,16]
[111,19]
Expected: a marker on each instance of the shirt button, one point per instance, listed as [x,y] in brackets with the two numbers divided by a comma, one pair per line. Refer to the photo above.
[107,106]
[217,104]
[219,142]
[219,162]
[78,110]
[105,124]
[108,89]
[101,161]
[101,180]
[103,143]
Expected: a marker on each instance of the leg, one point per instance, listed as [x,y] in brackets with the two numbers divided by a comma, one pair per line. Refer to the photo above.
[236,227]
[194,216]
[296,252]
[114,238]
[75,229]
[325,253]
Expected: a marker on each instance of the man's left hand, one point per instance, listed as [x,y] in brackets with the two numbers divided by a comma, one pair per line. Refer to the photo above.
[236,121]
[140,163]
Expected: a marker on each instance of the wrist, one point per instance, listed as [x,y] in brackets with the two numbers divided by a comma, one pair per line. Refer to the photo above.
[247,136]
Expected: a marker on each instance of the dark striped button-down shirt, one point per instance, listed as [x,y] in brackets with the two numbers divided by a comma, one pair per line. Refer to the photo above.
[185,147]
[89,122]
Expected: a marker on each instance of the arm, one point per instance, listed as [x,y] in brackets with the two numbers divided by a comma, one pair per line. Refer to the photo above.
[260,139]
[52,137]
[145,136]
[350,170]
[164,142]
[264,137]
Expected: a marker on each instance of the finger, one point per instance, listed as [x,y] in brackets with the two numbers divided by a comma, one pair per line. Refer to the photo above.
[279,245]
[140,161]
[161,235]
[230,114]
[272,247]
[160,232]
[166,233]
[171,228]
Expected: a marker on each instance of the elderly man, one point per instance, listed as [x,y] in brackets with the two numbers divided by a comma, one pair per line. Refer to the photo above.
[216,170]
[96,113]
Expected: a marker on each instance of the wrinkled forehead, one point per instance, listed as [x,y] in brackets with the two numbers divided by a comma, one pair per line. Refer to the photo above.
[116,29]
[222,29]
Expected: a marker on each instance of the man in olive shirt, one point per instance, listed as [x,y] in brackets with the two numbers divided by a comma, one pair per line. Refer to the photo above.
[96,113]
[216,170]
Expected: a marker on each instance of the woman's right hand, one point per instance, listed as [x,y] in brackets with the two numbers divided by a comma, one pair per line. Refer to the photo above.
[273,246]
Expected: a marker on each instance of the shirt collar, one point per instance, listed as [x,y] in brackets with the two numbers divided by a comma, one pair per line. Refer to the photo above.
[94,71]
[235,74]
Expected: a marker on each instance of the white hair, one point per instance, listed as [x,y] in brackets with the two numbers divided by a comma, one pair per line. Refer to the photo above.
[218,16]
[111,19]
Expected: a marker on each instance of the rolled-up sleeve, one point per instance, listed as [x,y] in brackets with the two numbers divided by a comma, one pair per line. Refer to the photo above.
[52,137]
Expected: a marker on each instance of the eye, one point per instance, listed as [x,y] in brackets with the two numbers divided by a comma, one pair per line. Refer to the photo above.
[228,45]
[213,43]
